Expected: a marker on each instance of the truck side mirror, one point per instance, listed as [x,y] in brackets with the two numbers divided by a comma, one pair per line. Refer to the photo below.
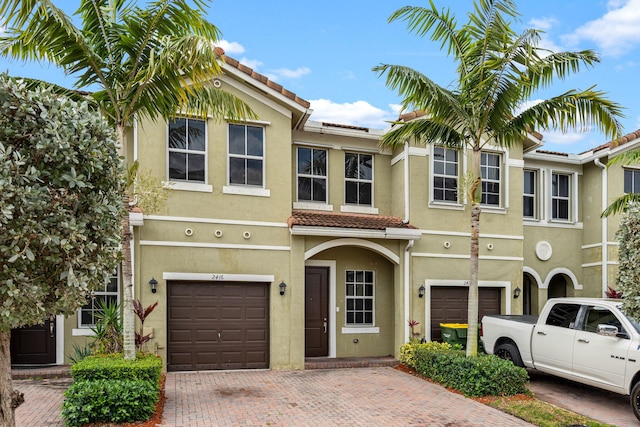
[607,330]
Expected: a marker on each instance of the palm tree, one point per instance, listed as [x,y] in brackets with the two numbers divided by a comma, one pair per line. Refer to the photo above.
[140,63]
[621,204]
[497,71]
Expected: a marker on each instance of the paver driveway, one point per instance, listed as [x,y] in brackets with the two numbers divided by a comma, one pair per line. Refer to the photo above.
[323,397]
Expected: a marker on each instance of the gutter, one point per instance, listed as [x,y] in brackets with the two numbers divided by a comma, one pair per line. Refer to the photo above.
[605,224]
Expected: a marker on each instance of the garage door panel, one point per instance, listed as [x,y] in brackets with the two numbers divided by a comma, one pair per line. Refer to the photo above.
[219,325]
[449,305]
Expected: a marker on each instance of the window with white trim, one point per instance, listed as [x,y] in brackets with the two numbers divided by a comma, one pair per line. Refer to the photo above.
[187,150]
[358,179]
[560,196]
[490,172]
[530,194]
[246,155]
[312,175]
[109,294]
[445,175]
[632,181]
[359,297]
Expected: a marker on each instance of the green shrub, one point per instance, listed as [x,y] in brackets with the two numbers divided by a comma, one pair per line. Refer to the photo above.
[407,350]
[483,375]
[115,401]
[113,366]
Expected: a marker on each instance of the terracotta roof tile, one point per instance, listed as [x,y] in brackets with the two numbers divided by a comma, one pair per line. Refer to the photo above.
[261,78]
[336,125]
[553,153]
[345,220]
[620,141]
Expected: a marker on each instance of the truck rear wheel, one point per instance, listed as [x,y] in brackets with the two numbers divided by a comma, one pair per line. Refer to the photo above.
[509,351]
[634,399]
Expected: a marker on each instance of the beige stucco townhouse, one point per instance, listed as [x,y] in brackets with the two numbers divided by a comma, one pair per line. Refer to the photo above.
[284,238]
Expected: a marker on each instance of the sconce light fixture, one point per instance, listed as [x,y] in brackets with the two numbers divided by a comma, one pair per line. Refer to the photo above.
[153,283]
[421,290]
[282,287]
[516,292]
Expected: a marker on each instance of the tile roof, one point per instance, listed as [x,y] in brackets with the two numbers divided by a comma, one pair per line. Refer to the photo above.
[345,220]
[261,78]
[620,141]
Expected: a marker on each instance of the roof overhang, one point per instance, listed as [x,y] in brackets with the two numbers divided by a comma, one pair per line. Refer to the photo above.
[388,233]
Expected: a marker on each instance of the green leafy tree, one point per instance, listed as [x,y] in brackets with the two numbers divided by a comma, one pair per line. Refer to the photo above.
[497,71]
[621,204]
[628,275]
[60,192]
[152,62]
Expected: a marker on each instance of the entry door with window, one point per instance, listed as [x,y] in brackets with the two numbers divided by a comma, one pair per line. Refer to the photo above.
[34,345]
[316,286]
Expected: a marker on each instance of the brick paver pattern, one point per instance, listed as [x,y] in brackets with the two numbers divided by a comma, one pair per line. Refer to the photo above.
[331,397]
[42,402]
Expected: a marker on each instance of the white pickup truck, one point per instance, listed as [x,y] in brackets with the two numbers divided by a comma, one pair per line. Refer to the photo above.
[588,340]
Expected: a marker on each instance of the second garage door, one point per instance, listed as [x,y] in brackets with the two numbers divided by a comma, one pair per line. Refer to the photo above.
[217,325]
[449,305]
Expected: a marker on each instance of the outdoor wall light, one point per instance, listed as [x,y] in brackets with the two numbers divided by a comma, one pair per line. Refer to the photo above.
[153,283]
[282,287]
[421,290]
[516,292]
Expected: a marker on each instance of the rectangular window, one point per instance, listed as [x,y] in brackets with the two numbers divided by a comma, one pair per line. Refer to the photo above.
[529,197]
[359,297]
[563,315]
[560,196]
[312,175]
[187,150]
[109,294]
[246,155]
[490,172]
[358,177]
[631,181]
[445,175]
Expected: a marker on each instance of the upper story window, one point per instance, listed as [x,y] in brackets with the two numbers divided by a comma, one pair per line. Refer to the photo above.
[445,174]
[246,155]
[109,294]
[631,181]
[187,150]
[530,194]
[312,174]
[560,196]
[358,176]
[359,297]
[490,172]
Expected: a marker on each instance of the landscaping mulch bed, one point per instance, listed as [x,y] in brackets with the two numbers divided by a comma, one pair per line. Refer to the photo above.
[154,421]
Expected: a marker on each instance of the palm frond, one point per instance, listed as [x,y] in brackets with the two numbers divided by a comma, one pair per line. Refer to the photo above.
[620,204]
[626,158]
[423,131]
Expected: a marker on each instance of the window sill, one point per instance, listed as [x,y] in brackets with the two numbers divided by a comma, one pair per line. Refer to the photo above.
[359,209]
[82,332]
[445,205]
[310,206]
[361,330]
[492,209]
[187,186]
[246,191]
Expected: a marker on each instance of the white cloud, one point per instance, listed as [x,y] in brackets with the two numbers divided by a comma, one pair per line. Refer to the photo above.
[287,73]
[251,63]
[230,48]
[545,23]
[358,113]
[615,32]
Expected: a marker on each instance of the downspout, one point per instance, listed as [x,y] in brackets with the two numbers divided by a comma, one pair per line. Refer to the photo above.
[407,249]
[604,226]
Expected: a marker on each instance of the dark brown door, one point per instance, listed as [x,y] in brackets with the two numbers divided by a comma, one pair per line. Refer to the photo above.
[34,345]
[449,305]
[316,291]
[217,325]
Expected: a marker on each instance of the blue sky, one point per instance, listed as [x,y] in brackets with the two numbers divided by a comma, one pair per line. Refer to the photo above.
[324,52]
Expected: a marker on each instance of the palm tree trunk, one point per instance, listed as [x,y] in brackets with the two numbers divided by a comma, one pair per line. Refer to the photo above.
[128,317]
[9,399]
[472,310]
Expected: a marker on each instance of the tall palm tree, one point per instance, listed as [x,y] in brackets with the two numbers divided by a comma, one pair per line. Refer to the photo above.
[497,71]
[139,63]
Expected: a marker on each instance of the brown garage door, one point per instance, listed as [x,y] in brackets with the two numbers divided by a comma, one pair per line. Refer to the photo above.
[449,305]
[217,325]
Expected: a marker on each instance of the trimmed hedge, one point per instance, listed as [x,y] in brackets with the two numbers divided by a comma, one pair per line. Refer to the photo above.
[110,389]
[146,367]
[483,375]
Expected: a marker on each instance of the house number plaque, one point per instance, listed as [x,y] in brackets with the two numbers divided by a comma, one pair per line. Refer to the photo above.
[217,277]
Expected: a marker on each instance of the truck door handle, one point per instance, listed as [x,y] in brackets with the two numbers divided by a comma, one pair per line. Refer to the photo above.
[541,333]
[583,340]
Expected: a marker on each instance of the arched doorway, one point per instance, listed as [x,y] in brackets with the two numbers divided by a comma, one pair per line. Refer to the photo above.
[557,287]
[530,300]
